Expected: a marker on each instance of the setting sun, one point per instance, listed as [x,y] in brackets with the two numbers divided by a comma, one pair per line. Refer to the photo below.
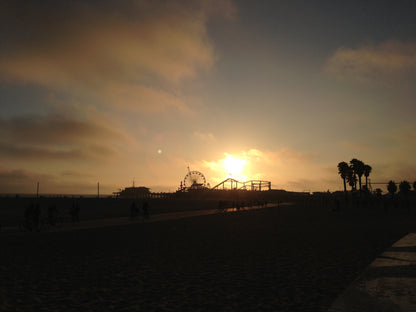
[233,166]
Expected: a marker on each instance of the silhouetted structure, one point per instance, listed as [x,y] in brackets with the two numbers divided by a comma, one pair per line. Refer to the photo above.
[194,186]
[134,192]
[252,185]
[193,180]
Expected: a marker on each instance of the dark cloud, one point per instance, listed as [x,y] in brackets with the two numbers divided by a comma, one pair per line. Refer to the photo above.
[18,181]
[131,54]
[54,129]
[16,174]
[387,64]
[37,153]
[55,137]
[26,152]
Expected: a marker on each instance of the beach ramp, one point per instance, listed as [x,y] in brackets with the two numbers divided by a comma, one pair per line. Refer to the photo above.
[387,285]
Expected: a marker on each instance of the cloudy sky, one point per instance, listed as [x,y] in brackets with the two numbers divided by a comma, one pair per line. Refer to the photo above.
[111,91]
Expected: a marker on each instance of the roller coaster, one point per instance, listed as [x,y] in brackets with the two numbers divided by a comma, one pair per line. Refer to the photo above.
[195,180]
[252,185]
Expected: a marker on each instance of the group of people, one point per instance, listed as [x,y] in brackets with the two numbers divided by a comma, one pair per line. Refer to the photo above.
[33,222]
[32,216]
[135,210]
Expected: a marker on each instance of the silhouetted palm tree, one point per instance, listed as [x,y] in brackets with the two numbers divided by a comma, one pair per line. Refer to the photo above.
[367,171]
[414,186]
[343,169]
[404,187]
[351,179]
[358,168]
[392,188]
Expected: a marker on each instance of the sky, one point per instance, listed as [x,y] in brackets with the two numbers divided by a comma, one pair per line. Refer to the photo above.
[113,92]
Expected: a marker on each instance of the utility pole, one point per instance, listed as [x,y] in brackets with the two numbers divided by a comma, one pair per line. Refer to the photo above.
[37,190]
[98,189]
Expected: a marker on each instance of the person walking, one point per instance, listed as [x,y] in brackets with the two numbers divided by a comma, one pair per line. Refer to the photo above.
[134,210]
[36,217]
[52,215]
[29,217]
[74,211]
[77,209]
[145,208]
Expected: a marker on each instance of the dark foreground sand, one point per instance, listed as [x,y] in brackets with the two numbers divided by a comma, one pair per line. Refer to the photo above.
[298,259]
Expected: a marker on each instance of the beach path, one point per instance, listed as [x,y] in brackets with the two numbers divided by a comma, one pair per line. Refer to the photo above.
[99,223]
[388,284]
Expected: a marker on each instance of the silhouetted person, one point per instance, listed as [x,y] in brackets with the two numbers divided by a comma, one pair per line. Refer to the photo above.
[347,202]
[220,206]
[29,217]
[134,210]
[77,209]
[74,212]
[36,217]
[337,205]
[52,215]
[145,210]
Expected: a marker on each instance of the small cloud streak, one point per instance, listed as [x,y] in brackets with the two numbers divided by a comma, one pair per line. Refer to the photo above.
[385,64]
[205,137]
[76,174]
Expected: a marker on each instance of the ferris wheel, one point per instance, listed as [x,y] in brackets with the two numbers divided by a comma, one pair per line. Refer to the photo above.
[194,180]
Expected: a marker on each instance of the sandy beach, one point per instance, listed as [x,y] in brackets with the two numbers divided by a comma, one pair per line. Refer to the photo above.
[294,258]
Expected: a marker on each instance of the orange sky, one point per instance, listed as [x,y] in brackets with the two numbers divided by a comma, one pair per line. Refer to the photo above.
[110,92]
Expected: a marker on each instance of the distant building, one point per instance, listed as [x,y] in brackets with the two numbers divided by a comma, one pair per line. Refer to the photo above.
[134,192]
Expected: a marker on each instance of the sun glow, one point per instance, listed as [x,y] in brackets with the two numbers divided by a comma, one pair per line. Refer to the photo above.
[233,166]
